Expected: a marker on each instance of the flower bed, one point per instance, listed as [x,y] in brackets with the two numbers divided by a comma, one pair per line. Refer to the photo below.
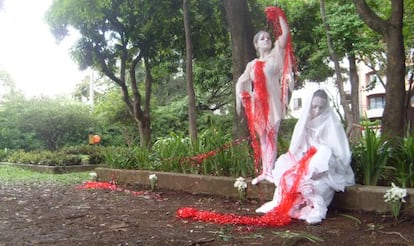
[357,197]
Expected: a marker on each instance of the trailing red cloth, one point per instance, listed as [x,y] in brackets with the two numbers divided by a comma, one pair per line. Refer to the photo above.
[250,124]
[217,218]
[98,185]
[107,186]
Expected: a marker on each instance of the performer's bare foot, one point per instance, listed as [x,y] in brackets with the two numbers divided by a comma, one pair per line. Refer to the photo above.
[262,177]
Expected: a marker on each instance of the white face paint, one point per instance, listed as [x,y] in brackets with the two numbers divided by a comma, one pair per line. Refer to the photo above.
[264,42]
[318,106]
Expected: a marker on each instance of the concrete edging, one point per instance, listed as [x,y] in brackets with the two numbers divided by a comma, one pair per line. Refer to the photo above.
[357,197]
[53,169]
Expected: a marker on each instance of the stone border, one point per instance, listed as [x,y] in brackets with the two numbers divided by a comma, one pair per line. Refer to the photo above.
[357,197]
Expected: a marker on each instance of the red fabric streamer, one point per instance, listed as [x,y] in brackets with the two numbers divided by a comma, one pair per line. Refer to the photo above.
[272,15]
[199,158]
[250,124]
[257,114]
[279,216]
[290,195]
[217,218]
[261,98]
[107,186]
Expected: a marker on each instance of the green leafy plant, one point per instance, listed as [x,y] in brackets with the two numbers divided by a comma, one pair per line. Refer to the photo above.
[45,157]
[214,153]
[126,158]
[404,162]
[171,151]
[371,156]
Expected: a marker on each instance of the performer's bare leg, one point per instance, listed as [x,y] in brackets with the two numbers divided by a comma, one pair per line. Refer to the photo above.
[269,152]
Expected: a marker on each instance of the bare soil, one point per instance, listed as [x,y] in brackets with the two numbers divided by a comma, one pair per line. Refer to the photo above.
[51,214]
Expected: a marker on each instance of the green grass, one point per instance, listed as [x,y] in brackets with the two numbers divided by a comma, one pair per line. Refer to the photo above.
[11,174]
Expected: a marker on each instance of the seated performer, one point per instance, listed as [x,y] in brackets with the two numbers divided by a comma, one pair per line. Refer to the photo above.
[312,183]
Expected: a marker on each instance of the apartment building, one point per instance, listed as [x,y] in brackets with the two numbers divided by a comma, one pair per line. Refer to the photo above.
[371,93]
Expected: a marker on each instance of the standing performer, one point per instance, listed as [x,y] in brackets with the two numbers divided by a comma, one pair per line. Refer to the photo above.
[263,90]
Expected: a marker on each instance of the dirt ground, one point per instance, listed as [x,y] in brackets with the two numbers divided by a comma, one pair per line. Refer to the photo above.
[51,214]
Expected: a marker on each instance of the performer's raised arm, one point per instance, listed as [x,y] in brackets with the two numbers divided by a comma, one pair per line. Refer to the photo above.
[277,19]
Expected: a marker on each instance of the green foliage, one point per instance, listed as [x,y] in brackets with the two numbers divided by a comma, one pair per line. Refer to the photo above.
[92,154]
[404,162]
[285,134]
[112,121]
[171,150]
[170,118]
[3,154]
[12,174]
[408,28]
[47,158]
[43,123]
[307,36]
[127,158]
[173,117]
[73,155]
[214,154]
[371,157]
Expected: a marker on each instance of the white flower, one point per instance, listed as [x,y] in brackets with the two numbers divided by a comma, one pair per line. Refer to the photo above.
[153,181]
[93,176]
[395,194]
[153,177]
[240,184]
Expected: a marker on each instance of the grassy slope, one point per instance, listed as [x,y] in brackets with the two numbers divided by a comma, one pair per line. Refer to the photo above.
[11,174]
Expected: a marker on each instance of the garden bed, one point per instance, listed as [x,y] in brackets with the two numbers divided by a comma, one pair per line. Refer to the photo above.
[34,213]
[355,198]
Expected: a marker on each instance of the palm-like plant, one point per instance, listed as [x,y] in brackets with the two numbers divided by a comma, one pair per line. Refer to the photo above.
[404,165]
[371,156]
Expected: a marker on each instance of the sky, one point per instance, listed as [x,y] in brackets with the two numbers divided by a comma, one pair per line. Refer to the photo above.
[30,53]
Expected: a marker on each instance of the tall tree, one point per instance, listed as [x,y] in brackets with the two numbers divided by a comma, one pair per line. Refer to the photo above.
[189,72]
[7,84]
[118,38]
[241,31]
[344,41]
[391,30]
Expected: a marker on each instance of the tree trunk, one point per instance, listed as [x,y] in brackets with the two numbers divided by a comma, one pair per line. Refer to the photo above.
[144,128]
[339,79]
[241,31]
[391,30]
[189,74]
[354,132]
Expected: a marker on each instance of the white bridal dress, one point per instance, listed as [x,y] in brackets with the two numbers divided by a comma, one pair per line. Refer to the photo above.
[328,170]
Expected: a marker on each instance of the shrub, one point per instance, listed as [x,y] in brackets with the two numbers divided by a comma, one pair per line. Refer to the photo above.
[127,158]
[43,123]
[213,154]
[48,158]
[4,153]
[370,157]
[92,154]
[404,162]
